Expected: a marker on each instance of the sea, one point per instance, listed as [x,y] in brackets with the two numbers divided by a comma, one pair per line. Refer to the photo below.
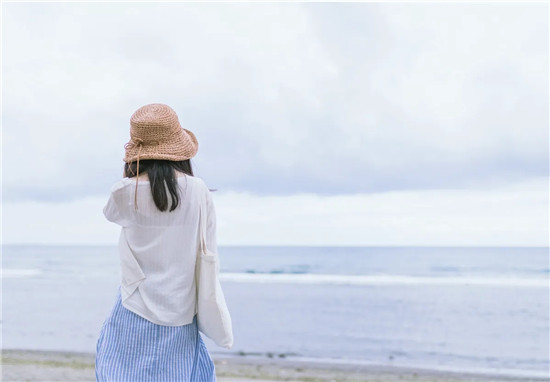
[482,309]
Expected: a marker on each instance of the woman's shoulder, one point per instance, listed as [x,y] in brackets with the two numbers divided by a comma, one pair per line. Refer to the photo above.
[197,181]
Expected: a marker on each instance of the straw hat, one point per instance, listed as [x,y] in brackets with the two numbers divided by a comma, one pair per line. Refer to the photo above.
[155,133]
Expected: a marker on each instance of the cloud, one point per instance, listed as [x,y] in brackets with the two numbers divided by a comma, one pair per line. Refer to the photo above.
[284,98]
[513,215]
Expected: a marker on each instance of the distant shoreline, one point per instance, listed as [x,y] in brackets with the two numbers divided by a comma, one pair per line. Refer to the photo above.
[20,365]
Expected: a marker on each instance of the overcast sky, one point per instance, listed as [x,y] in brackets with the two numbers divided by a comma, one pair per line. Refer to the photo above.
[319,124]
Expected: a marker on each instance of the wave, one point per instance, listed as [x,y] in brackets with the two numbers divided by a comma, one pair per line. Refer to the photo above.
[291,278]
[357,280]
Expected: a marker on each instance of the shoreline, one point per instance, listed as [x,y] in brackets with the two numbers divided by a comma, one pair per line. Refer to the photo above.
[335,363]
[38,365]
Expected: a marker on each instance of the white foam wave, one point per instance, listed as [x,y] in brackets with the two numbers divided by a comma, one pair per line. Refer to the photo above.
[309,278]
[10,273]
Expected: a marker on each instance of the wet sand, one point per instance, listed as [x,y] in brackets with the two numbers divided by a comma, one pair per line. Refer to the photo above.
[26,365]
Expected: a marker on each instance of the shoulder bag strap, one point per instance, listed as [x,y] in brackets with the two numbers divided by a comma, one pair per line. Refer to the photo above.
[202,247]
[202,225]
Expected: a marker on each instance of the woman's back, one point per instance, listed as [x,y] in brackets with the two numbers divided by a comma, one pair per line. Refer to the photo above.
[158,249]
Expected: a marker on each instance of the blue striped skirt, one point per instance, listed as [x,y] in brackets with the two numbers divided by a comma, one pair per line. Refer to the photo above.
[132,348]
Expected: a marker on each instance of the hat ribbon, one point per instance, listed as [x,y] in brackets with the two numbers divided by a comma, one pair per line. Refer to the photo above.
[135,142]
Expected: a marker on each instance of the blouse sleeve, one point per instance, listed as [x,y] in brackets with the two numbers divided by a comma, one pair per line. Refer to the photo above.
[211,241]
[111,210]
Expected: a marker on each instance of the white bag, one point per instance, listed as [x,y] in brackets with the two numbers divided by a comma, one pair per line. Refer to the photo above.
[212,314]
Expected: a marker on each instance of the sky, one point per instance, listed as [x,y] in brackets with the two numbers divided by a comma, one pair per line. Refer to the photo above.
[417,123]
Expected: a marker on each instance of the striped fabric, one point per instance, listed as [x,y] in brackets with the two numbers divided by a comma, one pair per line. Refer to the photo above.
[133,349]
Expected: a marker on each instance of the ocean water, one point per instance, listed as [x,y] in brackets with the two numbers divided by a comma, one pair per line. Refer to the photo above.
[477,309]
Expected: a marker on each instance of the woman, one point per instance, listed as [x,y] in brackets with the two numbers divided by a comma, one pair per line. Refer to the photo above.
[151,333]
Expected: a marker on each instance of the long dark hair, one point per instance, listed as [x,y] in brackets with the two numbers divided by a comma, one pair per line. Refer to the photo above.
[162,175]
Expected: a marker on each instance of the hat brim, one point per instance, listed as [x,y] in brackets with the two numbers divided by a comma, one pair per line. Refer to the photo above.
[183,146]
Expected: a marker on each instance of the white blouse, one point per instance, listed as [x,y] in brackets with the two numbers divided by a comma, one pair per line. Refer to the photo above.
[158,250]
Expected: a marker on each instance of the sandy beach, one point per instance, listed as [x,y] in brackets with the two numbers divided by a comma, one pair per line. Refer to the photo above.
[27,365]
